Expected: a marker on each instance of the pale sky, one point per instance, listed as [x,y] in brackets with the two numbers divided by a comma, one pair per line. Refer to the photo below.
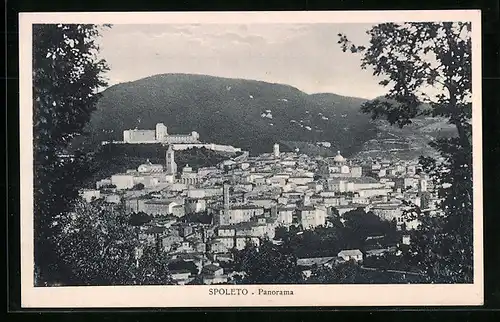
[306,56]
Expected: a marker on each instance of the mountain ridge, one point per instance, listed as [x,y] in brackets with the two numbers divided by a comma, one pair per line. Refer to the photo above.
[250,114]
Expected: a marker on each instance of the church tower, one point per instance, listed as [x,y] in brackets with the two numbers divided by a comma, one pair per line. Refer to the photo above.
[223,217]
[225,196]
[171,166]
[276,150]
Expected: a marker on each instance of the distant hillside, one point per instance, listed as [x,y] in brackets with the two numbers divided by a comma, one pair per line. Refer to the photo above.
[342,104]
[249,114]
[410,142]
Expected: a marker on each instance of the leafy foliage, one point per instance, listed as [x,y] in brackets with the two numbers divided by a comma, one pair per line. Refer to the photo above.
[99,246]
[351,273]
[199,157]
[139,219]
[267,264]
[431,63]
[139,186]
[360,224]
[199,218]
[445,246]
[390,261]
[414,56]
[270,264]
[181,265]
[96,245]
[329,241]
[67,75]
[318,242]
[152,268]
[345,273]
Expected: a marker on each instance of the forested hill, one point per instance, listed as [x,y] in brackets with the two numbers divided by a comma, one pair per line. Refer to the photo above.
[249,114]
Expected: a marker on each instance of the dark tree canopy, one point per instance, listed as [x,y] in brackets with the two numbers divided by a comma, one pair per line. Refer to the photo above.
[345,273]
[267,264]
[67,74]
[415,60]
[360,224]
[96,245]
[139,186]
[139,219]
[152,268]
[427,69]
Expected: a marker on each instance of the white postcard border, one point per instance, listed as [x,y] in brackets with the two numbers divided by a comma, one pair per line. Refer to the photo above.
[198,296]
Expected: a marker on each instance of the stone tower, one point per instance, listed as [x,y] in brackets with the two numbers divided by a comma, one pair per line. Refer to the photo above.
[226,196]
[276,150]
[171,166]
[160,132]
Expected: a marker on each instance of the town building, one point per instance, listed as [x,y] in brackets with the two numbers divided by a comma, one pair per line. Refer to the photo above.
[213,274]
[243,200]
[351,254]
[311,216]
[122,181]
[188,176]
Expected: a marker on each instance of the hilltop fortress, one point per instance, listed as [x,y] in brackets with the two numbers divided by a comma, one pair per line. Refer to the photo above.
[159,135]
[176,141]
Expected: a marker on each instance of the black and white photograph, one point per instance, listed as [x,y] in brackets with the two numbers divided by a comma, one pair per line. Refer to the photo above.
[251,159]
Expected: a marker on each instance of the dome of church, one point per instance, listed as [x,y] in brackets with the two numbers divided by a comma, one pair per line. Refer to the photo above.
[339,158]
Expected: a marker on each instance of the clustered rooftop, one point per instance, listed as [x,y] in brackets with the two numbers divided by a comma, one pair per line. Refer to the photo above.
[247,198]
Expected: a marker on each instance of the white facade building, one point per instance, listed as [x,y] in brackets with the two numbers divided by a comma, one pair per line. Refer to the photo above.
[122,181]
[351,254]
[158,135]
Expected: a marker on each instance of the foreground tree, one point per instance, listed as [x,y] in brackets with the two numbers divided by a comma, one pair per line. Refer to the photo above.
[152,268]
[96,245]
[427,69]
[67,75]
[360,224]
[344,273]
[267,264]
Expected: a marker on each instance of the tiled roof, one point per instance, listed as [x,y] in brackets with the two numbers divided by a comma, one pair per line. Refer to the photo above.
[350,252]
[314,261]
[210,268]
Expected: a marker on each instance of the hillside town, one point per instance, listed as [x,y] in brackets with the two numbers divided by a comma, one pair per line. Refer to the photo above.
[312,161]
[246,199]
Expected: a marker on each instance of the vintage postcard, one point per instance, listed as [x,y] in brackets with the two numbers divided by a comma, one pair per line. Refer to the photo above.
[238,159]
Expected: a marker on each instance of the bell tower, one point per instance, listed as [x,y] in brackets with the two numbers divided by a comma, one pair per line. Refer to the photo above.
[276,150]
[170,165]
